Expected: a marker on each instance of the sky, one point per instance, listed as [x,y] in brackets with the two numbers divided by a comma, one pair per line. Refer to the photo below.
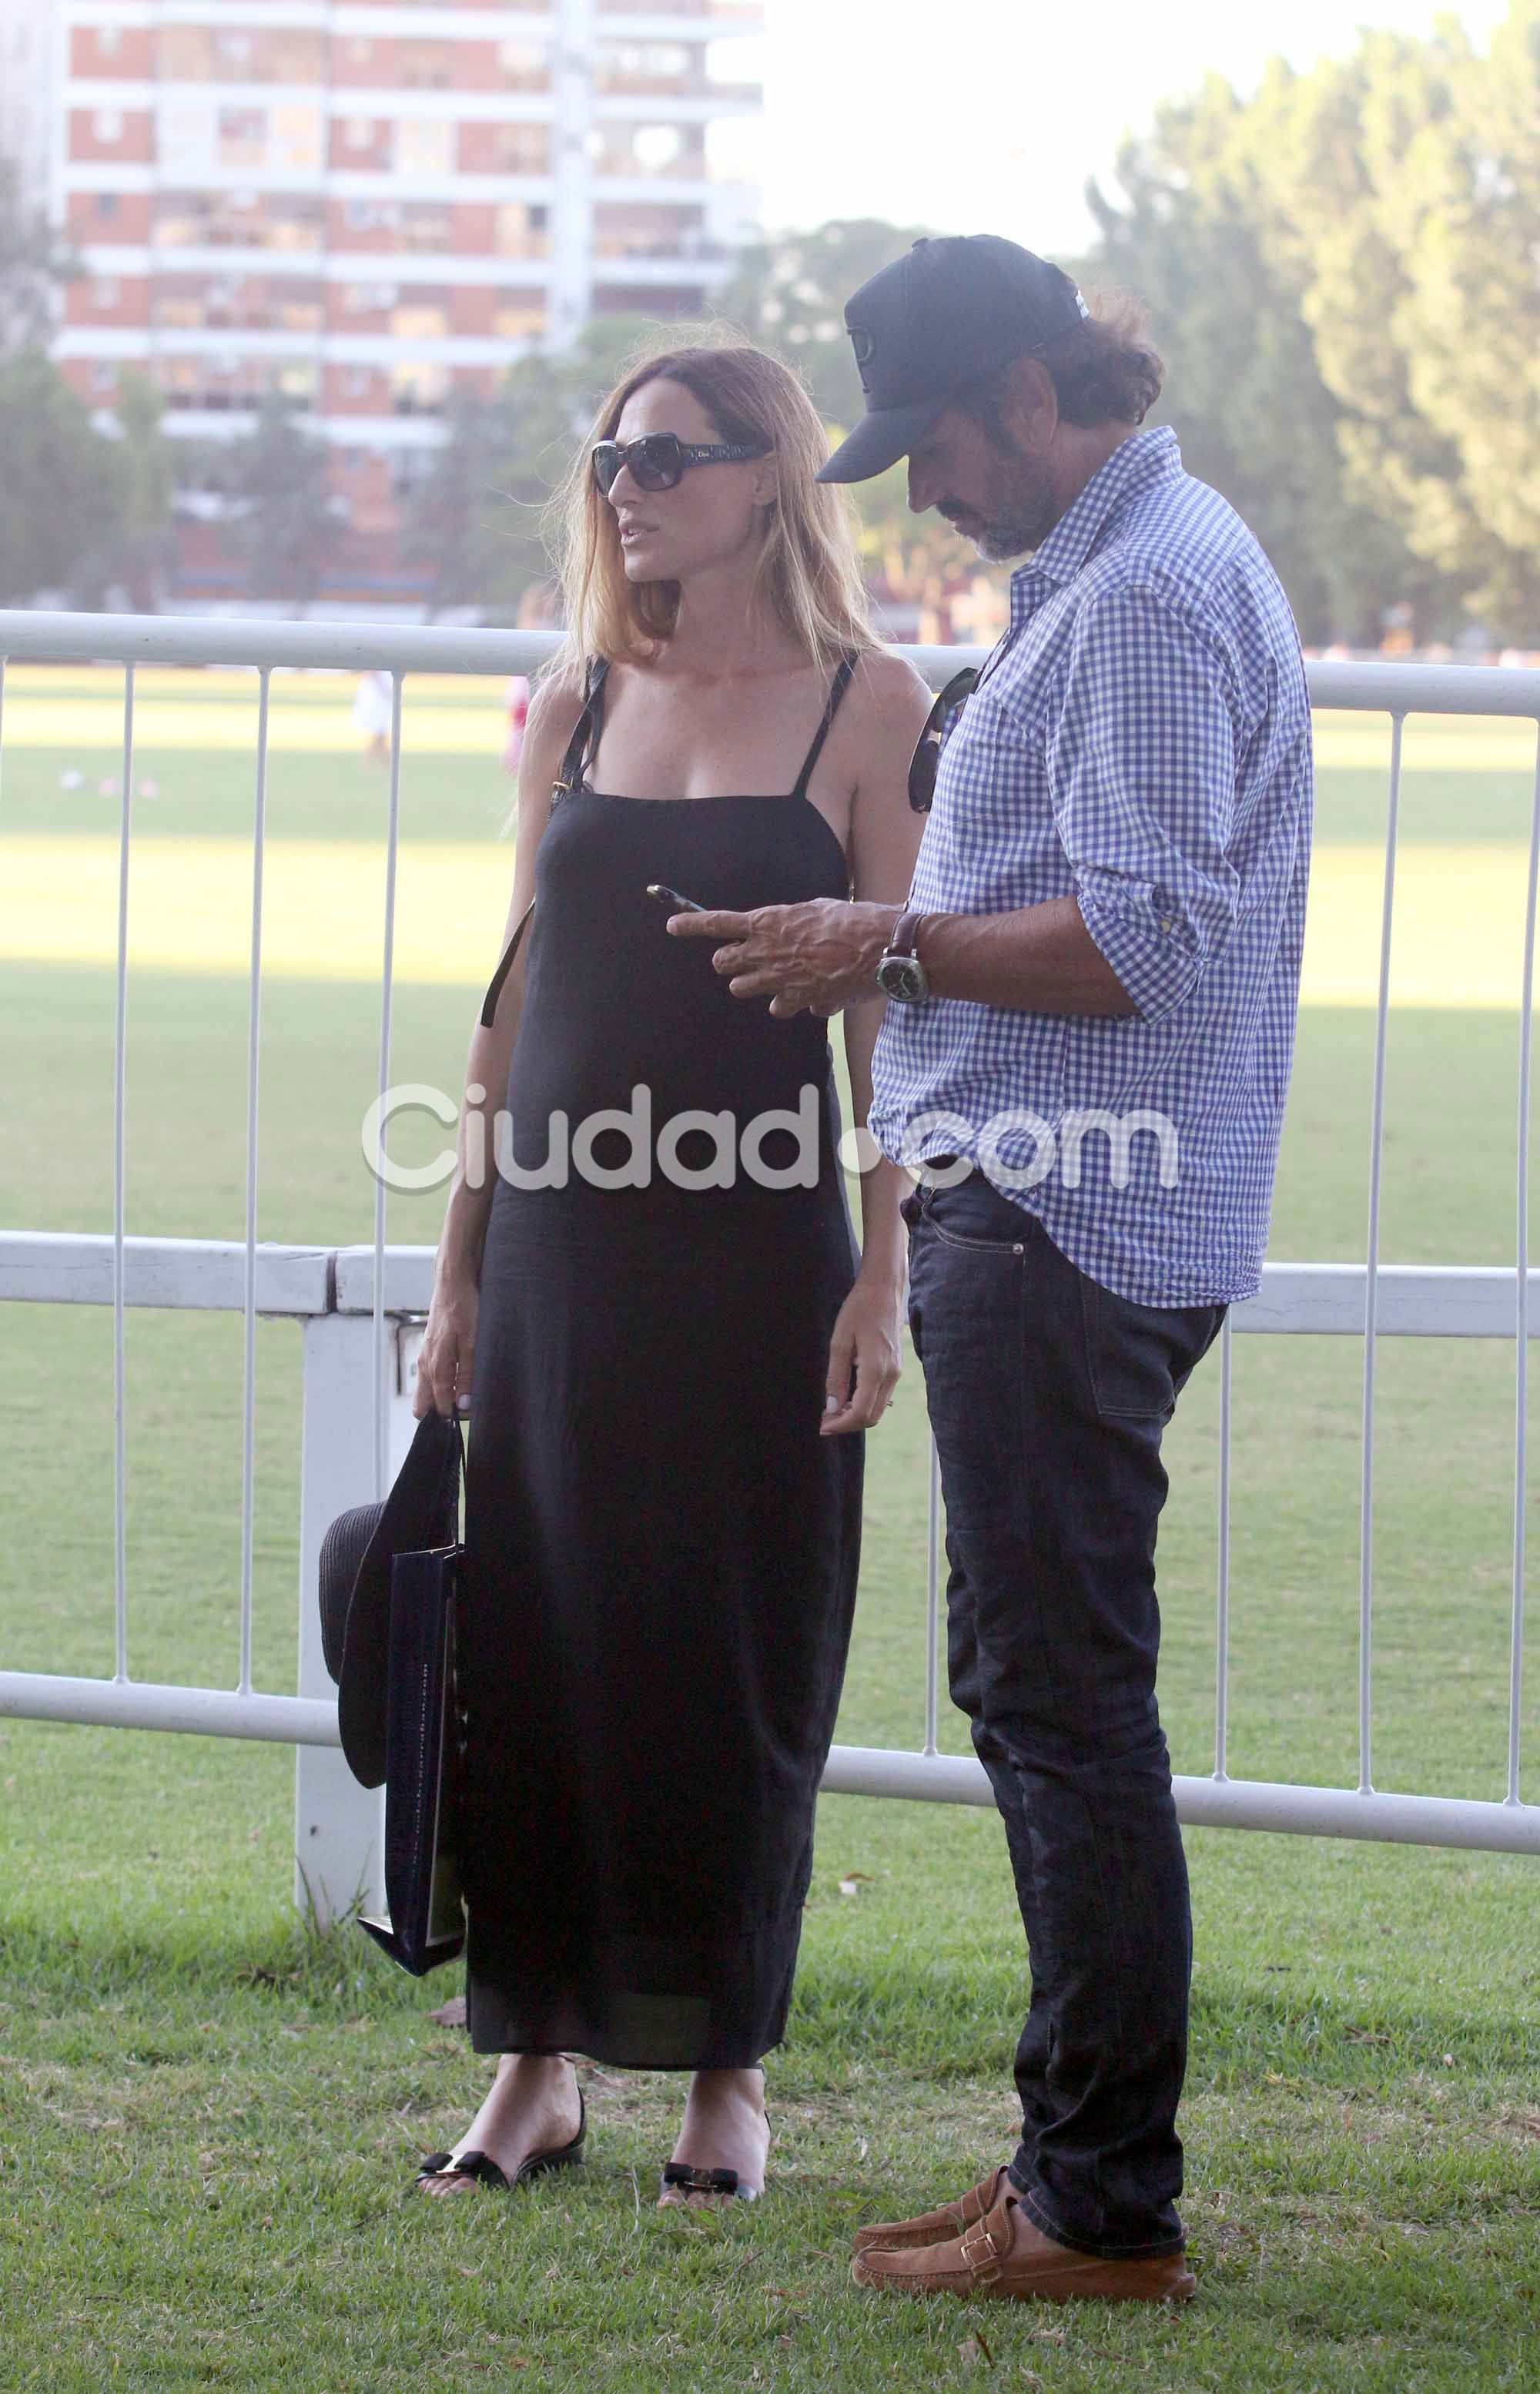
[991,117]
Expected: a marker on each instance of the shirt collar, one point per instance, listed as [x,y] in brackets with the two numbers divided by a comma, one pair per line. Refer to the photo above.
[1135,465]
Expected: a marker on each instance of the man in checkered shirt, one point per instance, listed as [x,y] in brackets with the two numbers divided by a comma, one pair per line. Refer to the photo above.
[1085,1056]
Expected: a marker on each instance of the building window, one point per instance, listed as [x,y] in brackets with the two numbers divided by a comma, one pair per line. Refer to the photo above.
[107,203]
[358,382]
[522,65]
[410,468]
[424,145]
[522,149]
[110,40]
[657,147]
[243,137]
[104,377]
[107,125]
[107,292]
[368,298]
[358,133]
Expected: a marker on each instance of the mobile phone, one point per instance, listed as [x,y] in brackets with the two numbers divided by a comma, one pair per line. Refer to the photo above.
[672,900]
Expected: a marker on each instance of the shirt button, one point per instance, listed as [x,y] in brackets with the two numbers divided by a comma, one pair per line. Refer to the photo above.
[1164,922]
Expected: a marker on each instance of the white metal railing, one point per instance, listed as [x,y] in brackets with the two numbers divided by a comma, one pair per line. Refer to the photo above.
[360,1310]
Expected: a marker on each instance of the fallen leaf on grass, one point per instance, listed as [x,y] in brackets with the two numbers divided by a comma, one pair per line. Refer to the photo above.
[451,2015]
[974,2350]
[1367,2036]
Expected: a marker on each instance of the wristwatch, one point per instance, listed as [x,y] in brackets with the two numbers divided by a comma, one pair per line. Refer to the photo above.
[899,971]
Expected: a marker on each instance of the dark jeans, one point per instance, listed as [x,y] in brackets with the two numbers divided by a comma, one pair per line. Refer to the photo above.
[1047,1395]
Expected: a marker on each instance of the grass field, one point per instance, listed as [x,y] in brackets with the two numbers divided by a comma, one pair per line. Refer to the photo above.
[206,2119]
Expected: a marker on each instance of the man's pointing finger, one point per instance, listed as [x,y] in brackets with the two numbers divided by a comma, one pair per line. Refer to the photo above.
[719,925]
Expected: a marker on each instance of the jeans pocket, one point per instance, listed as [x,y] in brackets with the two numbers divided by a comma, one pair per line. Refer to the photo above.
[1137,1357]
[975,1220]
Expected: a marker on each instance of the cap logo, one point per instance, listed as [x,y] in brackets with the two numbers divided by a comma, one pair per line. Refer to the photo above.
[864,345]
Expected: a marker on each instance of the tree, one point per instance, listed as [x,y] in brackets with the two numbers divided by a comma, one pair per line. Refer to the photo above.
[1342,271]
[34,260]
[286,523]
[62,518]
[1424,301]
[477,522]
[1205,228]
[146,484]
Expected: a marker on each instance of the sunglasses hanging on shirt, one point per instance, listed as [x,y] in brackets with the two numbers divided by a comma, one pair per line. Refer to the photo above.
[926,757]
[658,461]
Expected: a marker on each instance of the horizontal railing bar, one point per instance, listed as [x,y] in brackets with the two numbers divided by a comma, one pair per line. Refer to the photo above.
[76,1267]
[850,1770]
[1222,1803]
[1423,690]
[35,635]
[144,1704]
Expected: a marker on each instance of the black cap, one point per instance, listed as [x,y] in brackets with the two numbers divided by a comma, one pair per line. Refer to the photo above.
[934,320]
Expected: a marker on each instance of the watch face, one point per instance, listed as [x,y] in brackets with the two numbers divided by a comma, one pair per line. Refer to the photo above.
[904,978]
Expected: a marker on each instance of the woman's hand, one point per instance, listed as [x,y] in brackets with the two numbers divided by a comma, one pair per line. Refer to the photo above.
[448,1351]
[866,1341]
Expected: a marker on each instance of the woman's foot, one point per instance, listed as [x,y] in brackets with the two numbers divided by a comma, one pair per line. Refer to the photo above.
[724,2127]
[531,2107]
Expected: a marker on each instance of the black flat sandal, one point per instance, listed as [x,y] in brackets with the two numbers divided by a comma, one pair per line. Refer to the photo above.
[691,2180]
[483,2170]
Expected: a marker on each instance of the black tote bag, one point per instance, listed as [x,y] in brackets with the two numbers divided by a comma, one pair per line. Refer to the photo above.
[424,1747]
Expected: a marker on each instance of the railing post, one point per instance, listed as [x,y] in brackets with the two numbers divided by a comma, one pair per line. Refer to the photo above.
[338,1825]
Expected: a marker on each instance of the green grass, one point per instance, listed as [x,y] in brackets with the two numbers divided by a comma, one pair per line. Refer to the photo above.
[207,2118]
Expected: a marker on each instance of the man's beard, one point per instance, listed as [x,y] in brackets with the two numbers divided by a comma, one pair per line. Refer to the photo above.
[1025,512]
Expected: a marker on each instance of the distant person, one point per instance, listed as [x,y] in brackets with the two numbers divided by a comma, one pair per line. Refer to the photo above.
[671,1362]
[516,706]
[374,712]
[1096,974]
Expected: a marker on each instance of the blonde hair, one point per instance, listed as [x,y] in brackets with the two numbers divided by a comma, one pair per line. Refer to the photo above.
[806,566]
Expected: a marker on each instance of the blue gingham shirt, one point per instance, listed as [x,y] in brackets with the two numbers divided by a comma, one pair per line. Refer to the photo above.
[1140,742]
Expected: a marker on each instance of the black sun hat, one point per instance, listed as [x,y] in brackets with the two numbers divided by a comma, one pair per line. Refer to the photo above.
[934,320]
[422,1509]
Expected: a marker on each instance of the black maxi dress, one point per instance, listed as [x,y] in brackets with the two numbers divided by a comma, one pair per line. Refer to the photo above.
[660,1549]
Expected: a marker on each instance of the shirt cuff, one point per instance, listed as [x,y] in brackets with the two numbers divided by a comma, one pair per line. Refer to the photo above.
[1149,946]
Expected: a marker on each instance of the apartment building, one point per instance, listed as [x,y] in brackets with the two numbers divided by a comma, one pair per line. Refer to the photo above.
[365,207]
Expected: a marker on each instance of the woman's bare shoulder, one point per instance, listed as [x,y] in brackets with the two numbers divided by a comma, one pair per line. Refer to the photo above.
[886,682]
[554,703]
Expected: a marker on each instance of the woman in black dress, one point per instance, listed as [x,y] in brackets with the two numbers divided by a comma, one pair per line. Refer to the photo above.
[652,1291]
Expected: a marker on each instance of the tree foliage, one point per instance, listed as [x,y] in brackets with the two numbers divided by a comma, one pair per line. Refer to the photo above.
[63,509]
[34,260]
[478,524]
[1342,274]
[286,526]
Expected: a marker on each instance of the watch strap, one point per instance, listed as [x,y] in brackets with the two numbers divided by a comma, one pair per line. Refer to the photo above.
[905,935]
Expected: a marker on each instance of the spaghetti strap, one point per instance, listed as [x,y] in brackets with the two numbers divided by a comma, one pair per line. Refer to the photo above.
[837,689]
[585,730]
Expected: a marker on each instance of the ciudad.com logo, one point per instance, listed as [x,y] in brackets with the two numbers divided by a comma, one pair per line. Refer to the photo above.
[618,1147]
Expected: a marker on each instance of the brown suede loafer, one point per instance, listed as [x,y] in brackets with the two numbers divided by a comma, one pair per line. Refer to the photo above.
[1005,2257]
[934,2227]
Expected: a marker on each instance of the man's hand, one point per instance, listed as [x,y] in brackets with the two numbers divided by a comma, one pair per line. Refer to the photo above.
[820,955]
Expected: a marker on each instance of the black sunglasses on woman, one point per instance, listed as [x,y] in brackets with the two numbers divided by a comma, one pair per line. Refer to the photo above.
[659,459]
